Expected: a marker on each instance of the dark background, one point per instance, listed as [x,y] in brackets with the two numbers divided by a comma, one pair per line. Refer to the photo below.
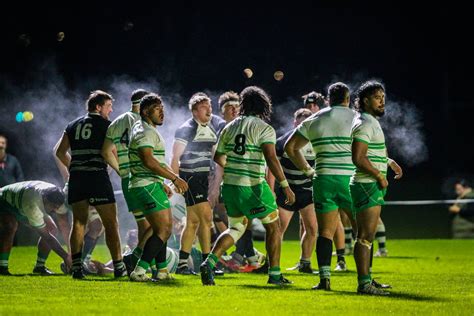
[420,53]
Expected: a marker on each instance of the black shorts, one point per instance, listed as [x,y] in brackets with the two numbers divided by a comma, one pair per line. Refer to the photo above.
[198,188]
[95,187]
[303,199]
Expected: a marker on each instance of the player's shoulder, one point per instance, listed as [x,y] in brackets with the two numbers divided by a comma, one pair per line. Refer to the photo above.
[217,122]
[188,124]
[76,121]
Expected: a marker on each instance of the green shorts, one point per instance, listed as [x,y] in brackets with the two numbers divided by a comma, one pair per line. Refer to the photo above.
[151,198]
[132,203]
[331,192]
[365,195]
[253,202]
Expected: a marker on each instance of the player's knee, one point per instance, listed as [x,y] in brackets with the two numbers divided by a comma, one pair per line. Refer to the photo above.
[237,226]
[270,218]
[364,242]
[311,231]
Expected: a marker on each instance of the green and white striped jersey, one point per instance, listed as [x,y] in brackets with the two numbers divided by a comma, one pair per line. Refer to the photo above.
[241,141]
[26,197]
[329,131]
[144,135]
[367,129]
[119,133]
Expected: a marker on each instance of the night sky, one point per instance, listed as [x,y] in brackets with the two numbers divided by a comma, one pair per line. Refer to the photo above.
[419,54]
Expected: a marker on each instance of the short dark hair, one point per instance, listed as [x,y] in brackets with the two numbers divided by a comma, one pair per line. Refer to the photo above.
[255,101]
[137,95]
[97,97]
[337,93]
[54,195]
[303,112]
[314,97]
[366,90]
[148,101]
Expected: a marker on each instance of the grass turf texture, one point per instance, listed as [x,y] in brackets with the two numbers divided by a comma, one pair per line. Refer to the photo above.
[428,277]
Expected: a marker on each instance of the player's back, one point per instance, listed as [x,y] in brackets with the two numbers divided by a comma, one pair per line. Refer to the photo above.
[119,133]
[242,141]
[329,131]
[86,137]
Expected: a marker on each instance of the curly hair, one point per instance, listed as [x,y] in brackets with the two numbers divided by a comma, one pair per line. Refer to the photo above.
[255,101]
[366,90]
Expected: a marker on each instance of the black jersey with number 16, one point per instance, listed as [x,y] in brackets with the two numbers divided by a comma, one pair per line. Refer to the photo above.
[86,137]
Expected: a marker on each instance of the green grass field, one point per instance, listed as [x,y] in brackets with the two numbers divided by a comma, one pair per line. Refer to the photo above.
[428,277]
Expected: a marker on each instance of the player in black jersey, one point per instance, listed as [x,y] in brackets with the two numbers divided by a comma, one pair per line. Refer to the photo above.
[302,186]
[89,182]
[192,153]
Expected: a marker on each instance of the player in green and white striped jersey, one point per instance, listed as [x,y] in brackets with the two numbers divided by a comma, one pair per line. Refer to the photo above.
[369,183]
[148,169]
[329,131]
[116,147]
[244,146]
[31,202]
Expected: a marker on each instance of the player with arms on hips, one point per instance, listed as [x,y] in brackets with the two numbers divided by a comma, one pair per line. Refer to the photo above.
[148,170]
[244,146]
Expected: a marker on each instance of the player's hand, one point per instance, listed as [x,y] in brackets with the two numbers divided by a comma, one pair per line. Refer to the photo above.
[168,190]
[180,185]
[290,196]
[396,169]
[382,181]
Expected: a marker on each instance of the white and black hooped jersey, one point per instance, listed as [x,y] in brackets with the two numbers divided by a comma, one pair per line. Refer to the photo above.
[86,137]
[296,178]
[199,140]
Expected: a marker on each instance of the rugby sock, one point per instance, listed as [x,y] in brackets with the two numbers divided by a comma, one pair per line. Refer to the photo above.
[380,236]
[160,258]
[152,247]
[249,251]
[183,259]
[274,273]
[212,259]
[76,261]
[348,237]
[340,255]
[242,244]
[136,254]
[41,259]
[204,256]
[323,254]
[89,245]
[364,279]
[305,262]
[4,259]
[119,265]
